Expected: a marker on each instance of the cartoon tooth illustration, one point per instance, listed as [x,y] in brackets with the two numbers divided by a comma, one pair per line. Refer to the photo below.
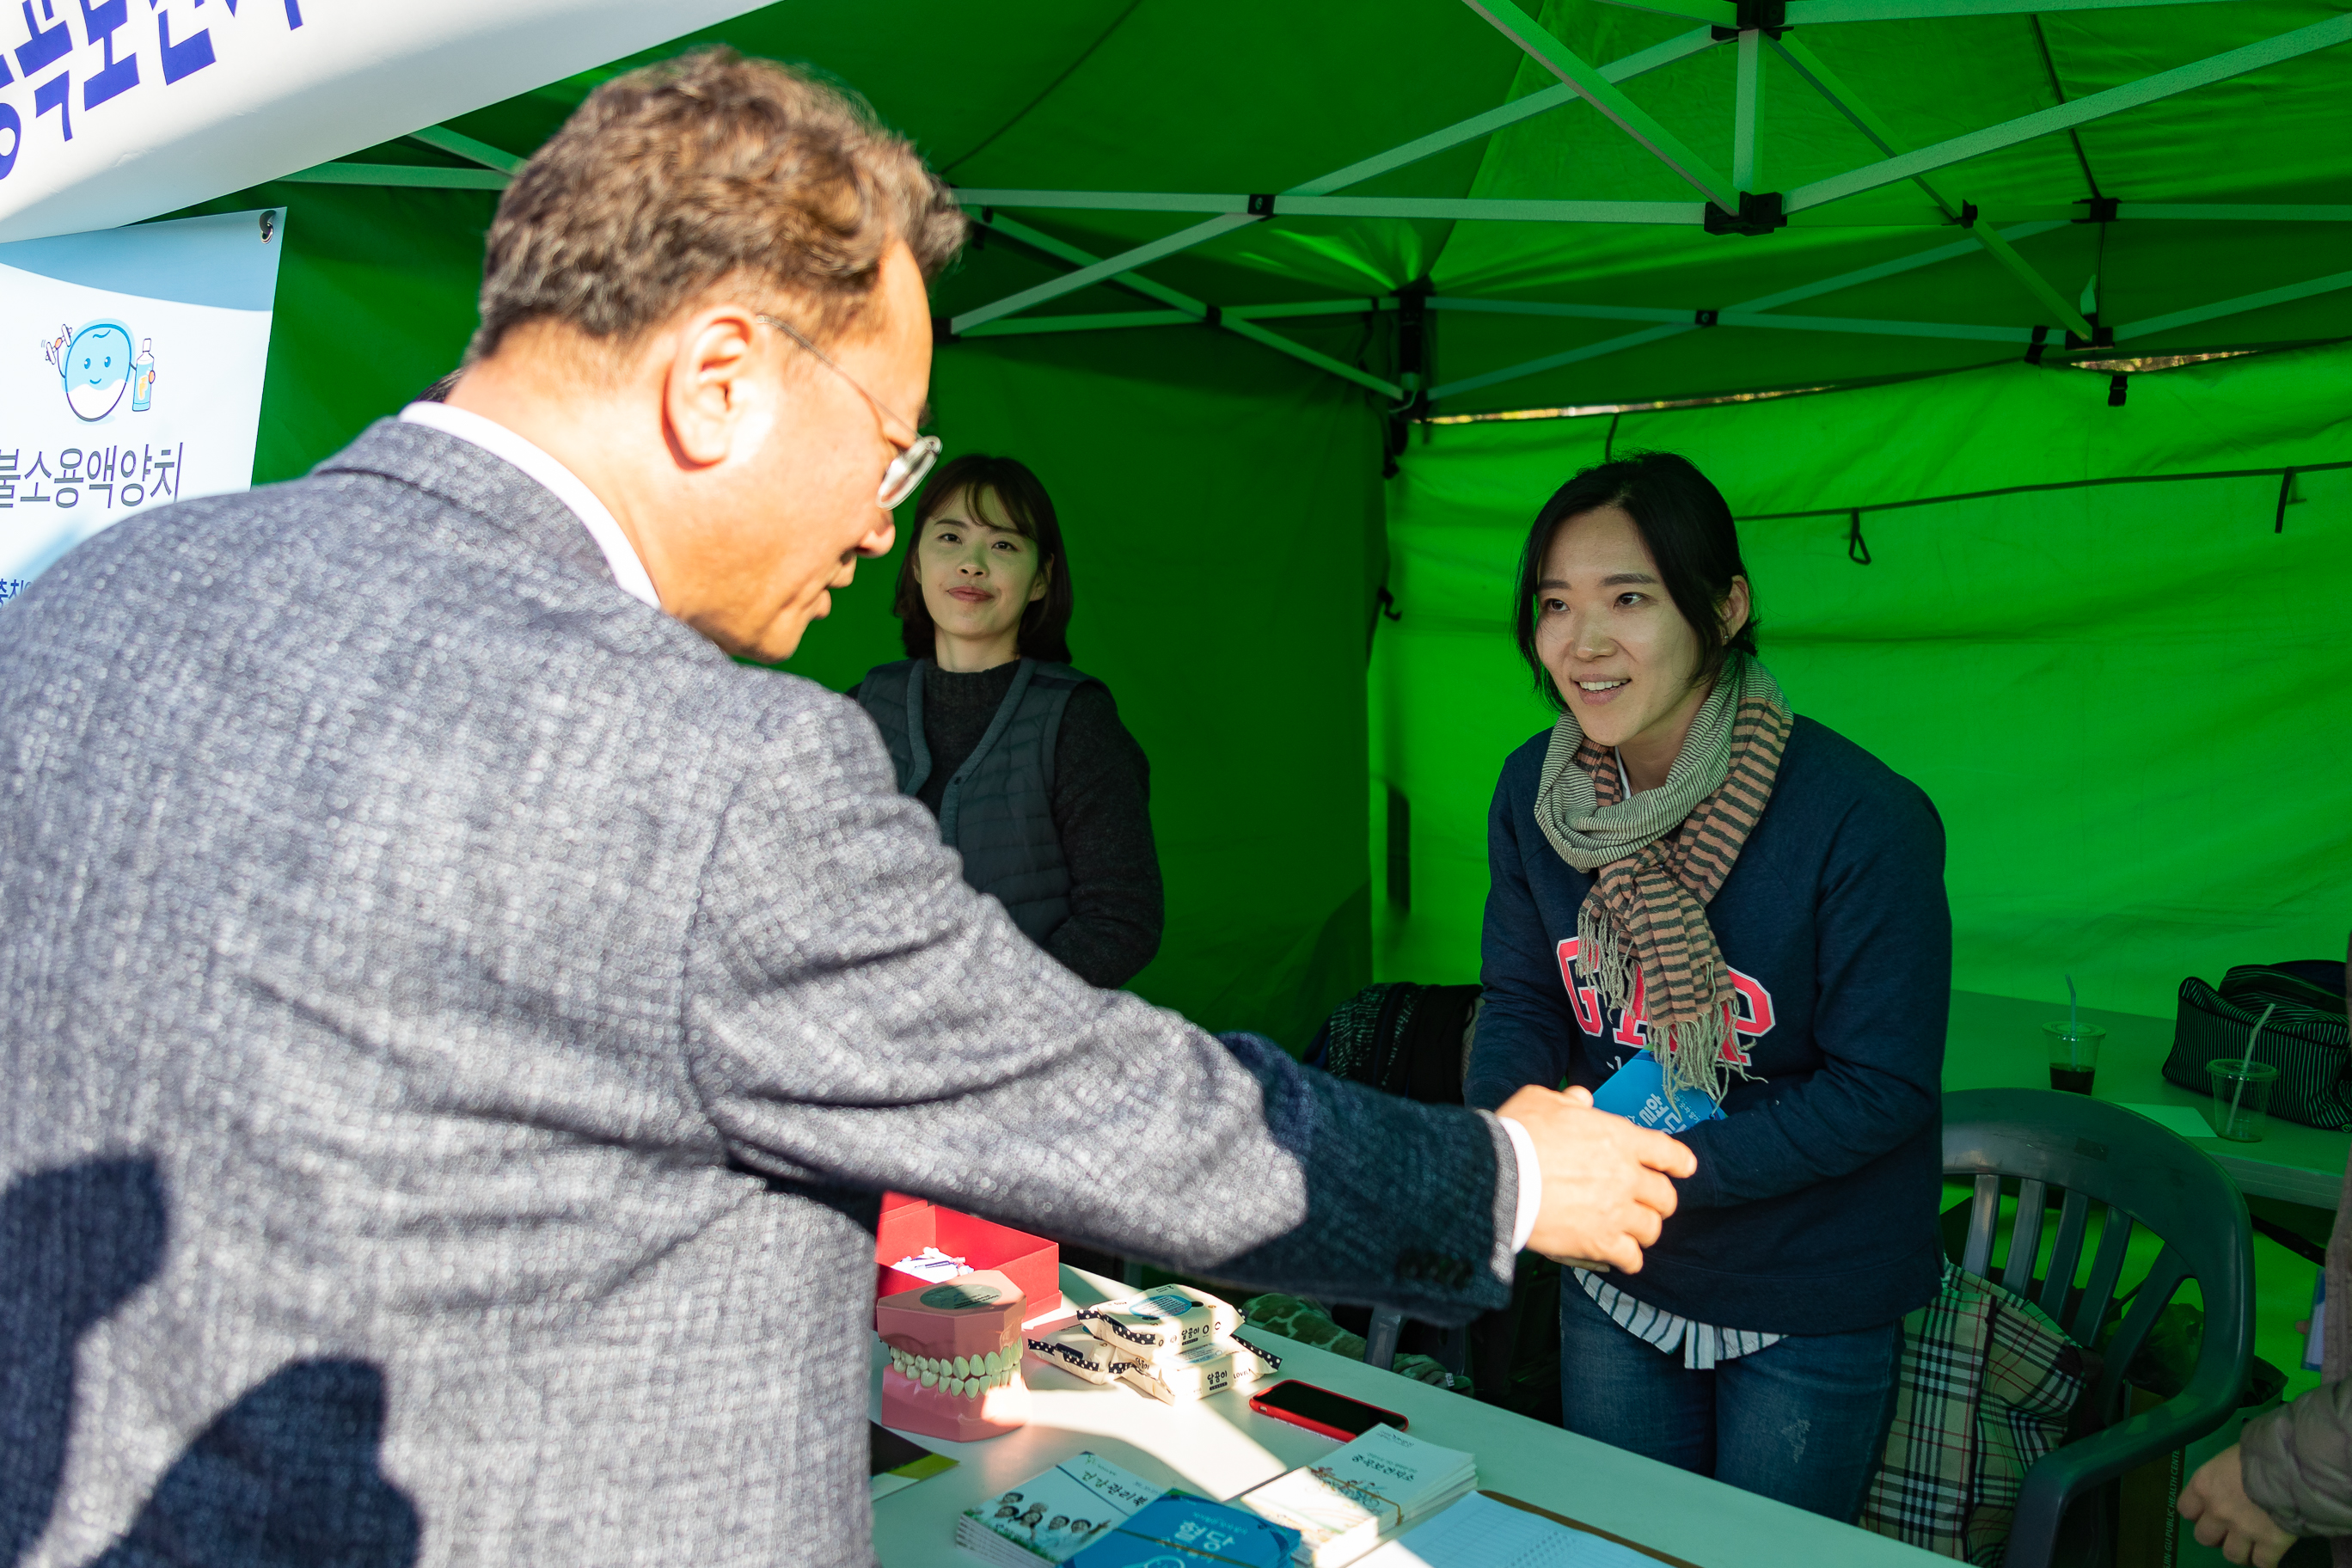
[96,364]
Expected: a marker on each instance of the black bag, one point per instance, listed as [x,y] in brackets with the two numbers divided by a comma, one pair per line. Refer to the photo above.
[1400,1037]
[2307,1039]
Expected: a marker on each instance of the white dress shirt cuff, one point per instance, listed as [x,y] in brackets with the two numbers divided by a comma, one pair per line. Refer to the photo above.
[1530,1183]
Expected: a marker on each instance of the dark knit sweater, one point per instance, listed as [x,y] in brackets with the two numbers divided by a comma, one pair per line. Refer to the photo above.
[1813,1208]
[1102,786]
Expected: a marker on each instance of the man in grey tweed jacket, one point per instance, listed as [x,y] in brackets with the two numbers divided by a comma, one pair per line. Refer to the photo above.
[457,1020]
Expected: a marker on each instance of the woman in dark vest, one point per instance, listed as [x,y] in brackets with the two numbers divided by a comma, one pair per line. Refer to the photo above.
[1021,758]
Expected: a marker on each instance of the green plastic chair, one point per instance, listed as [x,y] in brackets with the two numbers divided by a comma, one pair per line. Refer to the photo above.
[2077,1151]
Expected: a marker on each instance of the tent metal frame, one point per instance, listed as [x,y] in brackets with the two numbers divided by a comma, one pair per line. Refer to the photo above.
[1733,204]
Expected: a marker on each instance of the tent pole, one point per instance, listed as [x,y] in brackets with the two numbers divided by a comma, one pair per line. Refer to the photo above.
[481,152]
[1479,126]
[1747,307]
[1748,113]
[1825,82]
[2304,40]
[1814,13]
[1449,209]
[2065,314]
[1866,325]
[2190,317]
[1198,309]
[1126,260]
[1553,362]
[1596,88]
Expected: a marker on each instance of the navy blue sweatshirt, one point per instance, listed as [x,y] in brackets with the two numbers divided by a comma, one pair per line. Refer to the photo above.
[1813,1209]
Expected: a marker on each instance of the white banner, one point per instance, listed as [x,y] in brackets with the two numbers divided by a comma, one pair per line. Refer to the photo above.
[111,111]
[130,372]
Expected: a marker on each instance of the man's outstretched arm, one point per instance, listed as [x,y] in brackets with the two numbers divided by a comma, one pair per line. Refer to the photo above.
[857,1014]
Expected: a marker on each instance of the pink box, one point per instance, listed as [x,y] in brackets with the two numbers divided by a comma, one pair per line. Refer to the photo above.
[908,1225]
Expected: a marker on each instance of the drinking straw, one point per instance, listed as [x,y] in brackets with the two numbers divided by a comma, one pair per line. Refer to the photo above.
[2231,1119]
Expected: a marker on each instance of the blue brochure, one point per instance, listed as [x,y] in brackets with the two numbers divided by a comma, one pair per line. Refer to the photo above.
[1180,1532]
[1637,1092]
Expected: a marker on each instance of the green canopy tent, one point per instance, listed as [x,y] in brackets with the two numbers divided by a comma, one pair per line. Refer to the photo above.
[1232,263]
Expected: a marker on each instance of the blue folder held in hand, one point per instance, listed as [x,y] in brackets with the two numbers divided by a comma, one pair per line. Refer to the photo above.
[1637,1092]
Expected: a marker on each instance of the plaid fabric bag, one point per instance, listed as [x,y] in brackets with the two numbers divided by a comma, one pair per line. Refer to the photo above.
[1987,1384]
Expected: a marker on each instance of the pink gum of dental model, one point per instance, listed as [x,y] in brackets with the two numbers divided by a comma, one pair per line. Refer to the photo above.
[955,1358]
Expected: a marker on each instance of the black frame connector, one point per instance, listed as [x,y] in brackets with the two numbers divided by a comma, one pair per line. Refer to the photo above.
[2102,208]
[1262,204]
[1703,318]
[1759,213]
[1768,17]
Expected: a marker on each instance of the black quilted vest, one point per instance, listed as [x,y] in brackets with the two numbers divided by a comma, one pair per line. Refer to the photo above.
[998,812]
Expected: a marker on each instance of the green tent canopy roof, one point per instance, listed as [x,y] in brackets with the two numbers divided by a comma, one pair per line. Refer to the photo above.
[2124,168]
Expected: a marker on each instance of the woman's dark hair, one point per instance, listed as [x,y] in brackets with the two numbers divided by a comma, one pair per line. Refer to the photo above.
[1024,503]
[1686,524]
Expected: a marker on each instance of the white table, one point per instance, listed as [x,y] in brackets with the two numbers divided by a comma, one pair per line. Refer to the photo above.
[1220,1448]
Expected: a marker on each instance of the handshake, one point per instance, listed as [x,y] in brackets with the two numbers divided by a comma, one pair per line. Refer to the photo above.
[1605,1192]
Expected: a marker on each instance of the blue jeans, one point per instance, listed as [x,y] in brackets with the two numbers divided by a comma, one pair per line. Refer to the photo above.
[1802,1421]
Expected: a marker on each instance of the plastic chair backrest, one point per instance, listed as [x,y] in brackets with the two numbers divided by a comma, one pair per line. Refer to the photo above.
[2086,1153]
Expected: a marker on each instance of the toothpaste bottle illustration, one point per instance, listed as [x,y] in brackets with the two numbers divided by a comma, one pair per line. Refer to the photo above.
[142,377]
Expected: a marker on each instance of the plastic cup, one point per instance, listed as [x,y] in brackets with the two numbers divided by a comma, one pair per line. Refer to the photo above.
[2073,1055]
[2242,1097]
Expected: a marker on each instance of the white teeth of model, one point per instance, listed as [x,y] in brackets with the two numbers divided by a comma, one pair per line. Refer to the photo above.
[930,1378]
[992,1364]
[964,1367]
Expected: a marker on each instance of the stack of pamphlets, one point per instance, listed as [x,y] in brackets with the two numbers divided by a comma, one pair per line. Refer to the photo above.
[1051,1518]
[1174,1344]
[1182,1532]
[1359,1496]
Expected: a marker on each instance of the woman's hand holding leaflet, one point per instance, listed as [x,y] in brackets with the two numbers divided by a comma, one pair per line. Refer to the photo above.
[1605,1187]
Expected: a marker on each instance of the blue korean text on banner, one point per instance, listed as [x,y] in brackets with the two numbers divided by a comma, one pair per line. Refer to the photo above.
[1637,1092]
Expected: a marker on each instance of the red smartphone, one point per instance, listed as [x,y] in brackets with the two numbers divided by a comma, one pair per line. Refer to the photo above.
[1320,1410]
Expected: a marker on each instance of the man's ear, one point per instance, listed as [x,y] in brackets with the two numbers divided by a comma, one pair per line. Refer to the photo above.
[709,387]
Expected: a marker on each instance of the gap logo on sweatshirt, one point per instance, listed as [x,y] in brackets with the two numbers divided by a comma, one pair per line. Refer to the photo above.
[1751,1009]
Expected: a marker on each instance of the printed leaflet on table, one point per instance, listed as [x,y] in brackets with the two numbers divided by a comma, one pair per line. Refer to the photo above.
[1051,1516]
[1357,1496]
[1180,1532]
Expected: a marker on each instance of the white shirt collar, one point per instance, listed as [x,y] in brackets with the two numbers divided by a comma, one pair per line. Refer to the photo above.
[535,461]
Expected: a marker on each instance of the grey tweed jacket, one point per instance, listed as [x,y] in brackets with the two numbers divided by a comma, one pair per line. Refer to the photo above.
[454,1026]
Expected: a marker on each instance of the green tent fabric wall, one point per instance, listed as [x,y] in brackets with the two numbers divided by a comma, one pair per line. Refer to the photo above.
[2132,703]
[1221,506]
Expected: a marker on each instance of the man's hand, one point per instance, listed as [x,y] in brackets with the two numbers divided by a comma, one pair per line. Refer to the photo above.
[1605,1191]
[2226,1517]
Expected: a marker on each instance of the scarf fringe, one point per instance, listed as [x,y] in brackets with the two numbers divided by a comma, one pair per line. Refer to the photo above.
[1691,1051]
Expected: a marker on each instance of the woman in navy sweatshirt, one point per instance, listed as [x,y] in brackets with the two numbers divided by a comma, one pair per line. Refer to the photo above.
[1749,909]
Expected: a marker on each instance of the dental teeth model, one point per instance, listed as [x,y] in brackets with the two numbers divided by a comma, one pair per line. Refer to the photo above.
[955,1358]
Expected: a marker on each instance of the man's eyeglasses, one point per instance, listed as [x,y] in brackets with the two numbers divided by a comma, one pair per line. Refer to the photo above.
[913,460]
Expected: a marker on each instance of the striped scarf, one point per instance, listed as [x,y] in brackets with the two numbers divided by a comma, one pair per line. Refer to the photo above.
[1659,857]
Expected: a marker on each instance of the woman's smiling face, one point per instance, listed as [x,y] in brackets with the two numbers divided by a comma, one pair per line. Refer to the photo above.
[1606,629]
[979,573]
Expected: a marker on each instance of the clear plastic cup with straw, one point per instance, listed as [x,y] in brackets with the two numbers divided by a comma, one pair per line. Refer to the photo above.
[2074,1048]
[2241,1090]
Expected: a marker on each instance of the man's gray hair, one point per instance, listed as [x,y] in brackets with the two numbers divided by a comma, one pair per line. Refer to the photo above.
[706,169]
